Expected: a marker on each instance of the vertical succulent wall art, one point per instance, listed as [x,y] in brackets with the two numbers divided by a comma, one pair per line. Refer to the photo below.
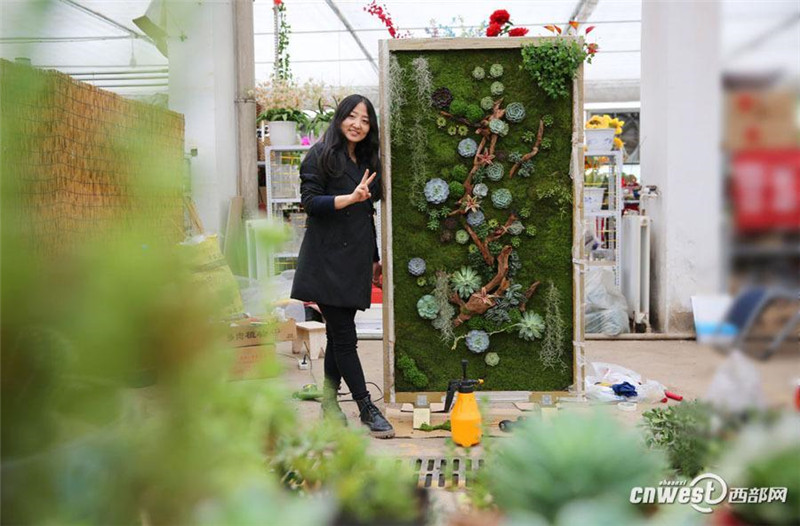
[481,221]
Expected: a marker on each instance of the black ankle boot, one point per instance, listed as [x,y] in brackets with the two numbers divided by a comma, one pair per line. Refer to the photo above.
[330,403]
[371,417]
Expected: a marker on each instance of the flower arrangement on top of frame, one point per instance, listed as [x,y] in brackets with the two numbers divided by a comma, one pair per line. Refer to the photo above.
[481,158]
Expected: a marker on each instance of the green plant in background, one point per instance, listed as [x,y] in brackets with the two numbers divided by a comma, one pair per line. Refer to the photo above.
[543,467]
[284,114]
[283,70]
[553,343]
[684,433]
[553,64]
[410,371]
[555,193]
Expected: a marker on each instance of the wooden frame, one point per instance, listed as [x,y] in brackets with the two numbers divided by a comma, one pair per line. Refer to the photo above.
[576,173]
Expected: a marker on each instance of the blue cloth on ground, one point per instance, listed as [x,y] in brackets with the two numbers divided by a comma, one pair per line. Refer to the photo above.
[624,389]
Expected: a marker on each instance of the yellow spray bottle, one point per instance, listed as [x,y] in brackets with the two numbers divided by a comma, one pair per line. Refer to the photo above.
[465,420]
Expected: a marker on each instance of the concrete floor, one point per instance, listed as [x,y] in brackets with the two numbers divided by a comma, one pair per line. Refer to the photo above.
[684,367]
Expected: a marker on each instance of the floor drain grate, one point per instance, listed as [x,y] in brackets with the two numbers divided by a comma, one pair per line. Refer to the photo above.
[436,472]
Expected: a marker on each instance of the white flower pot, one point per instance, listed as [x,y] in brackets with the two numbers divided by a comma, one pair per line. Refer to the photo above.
[593,198]
[282,133]
[600,139]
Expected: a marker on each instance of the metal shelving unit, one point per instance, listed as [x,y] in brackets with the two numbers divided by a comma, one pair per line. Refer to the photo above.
[282,179]
[607,222]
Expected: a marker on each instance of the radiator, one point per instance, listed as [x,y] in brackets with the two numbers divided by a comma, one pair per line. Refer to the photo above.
[636,267]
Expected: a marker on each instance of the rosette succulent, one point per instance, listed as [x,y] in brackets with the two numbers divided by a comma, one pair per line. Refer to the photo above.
[531,326]
[441,122]
[526,168]
[452,130]
[515,112]
[499,127]
[441,98]
[546,143]
[515,157]
[467,147]
[463,130]
[477,341]
[427,307]
[495,172]
[450,223]
[494,223]
[492,359]
[462,237]
[501,198]
[516,228]
[446,236]
[421,281]
[478,73]
[474,113]
[548,120]
[487,103]
[480,190]
[436,191]
[496,71]
[465,281]
[497,88]
[475,218]
[416,266]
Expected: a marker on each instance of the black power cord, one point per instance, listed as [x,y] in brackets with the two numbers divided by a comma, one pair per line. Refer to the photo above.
[307,356]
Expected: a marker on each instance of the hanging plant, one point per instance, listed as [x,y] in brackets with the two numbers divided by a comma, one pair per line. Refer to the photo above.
[554,63]
[397,100]
[283,71]
[553,343]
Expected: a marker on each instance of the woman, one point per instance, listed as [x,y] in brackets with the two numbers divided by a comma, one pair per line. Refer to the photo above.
[339,182]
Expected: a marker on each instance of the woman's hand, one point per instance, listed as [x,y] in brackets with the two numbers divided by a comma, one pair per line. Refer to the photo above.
[361,193]
[377,272]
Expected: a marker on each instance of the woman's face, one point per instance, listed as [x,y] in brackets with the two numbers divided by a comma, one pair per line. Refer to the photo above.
[356,125]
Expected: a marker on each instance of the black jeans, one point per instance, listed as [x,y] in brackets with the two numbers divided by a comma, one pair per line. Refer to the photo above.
[341,356]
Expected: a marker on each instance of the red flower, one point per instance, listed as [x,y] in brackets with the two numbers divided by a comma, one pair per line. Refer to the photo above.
[592,48]
[518,32]
[493,30]
[277,2]
[500,17]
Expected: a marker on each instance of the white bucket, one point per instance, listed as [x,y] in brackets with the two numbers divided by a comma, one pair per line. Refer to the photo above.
[600,139]
[593,198]
[283,133]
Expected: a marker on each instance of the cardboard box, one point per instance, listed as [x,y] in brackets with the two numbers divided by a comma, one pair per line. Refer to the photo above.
[760,119]
[255,331]
[254,362]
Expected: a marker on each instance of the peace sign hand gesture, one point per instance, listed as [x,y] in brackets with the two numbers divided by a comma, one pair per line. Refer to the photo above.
[361,193]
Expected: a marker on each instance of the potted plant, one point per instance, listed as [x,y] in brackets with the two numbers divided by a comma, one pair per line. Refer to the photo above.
[281,101]
[601,133]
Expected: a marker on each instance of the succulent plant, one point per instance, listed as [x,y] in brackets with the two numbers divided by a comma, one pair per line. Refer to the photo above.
[441,122]
[492,359]
[515,157]
[478,73]
[427,307]
[433,224]
[467,147]
[487,103]
[515,242]
[526,168]
[465,281]
[525,212]
[496,71]
[482,230]
[441,98]
[495,247]
[446,236]
[458,107]
[416,266]
[452,130]
[529,137]
[460,172]
[516,228]
[499,127]
[515,112]
[463,130]
[480,190]
[475,218]
[530,231]
[450,223]
[493,223]
[479,174]
[531,326]
[436,191]
[421,281]
[548,120]
[501,198]
[497,88]
[546,143]
[474,113]
[472,249]
[495,172]
[477,341]
[462,236]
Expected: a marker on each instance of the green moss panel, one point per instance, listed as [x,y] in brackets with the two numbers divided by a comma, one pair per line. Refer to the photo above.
[545,257]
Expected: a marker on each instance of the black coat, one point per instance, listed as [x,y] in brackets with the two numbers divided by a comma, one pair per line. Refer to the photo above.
[339,246]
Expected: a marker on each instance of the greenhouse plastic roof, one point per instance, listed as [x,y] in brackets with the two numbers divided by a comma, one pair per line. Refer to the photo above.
[88,37]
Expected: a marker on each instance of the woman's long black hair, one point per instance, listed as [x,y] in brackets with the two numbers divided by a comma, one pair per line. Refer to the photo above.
[334,143]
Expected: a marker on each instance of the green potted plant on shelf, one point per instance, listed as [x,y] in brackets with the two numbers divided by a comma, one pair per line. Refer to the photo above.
[281,103]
